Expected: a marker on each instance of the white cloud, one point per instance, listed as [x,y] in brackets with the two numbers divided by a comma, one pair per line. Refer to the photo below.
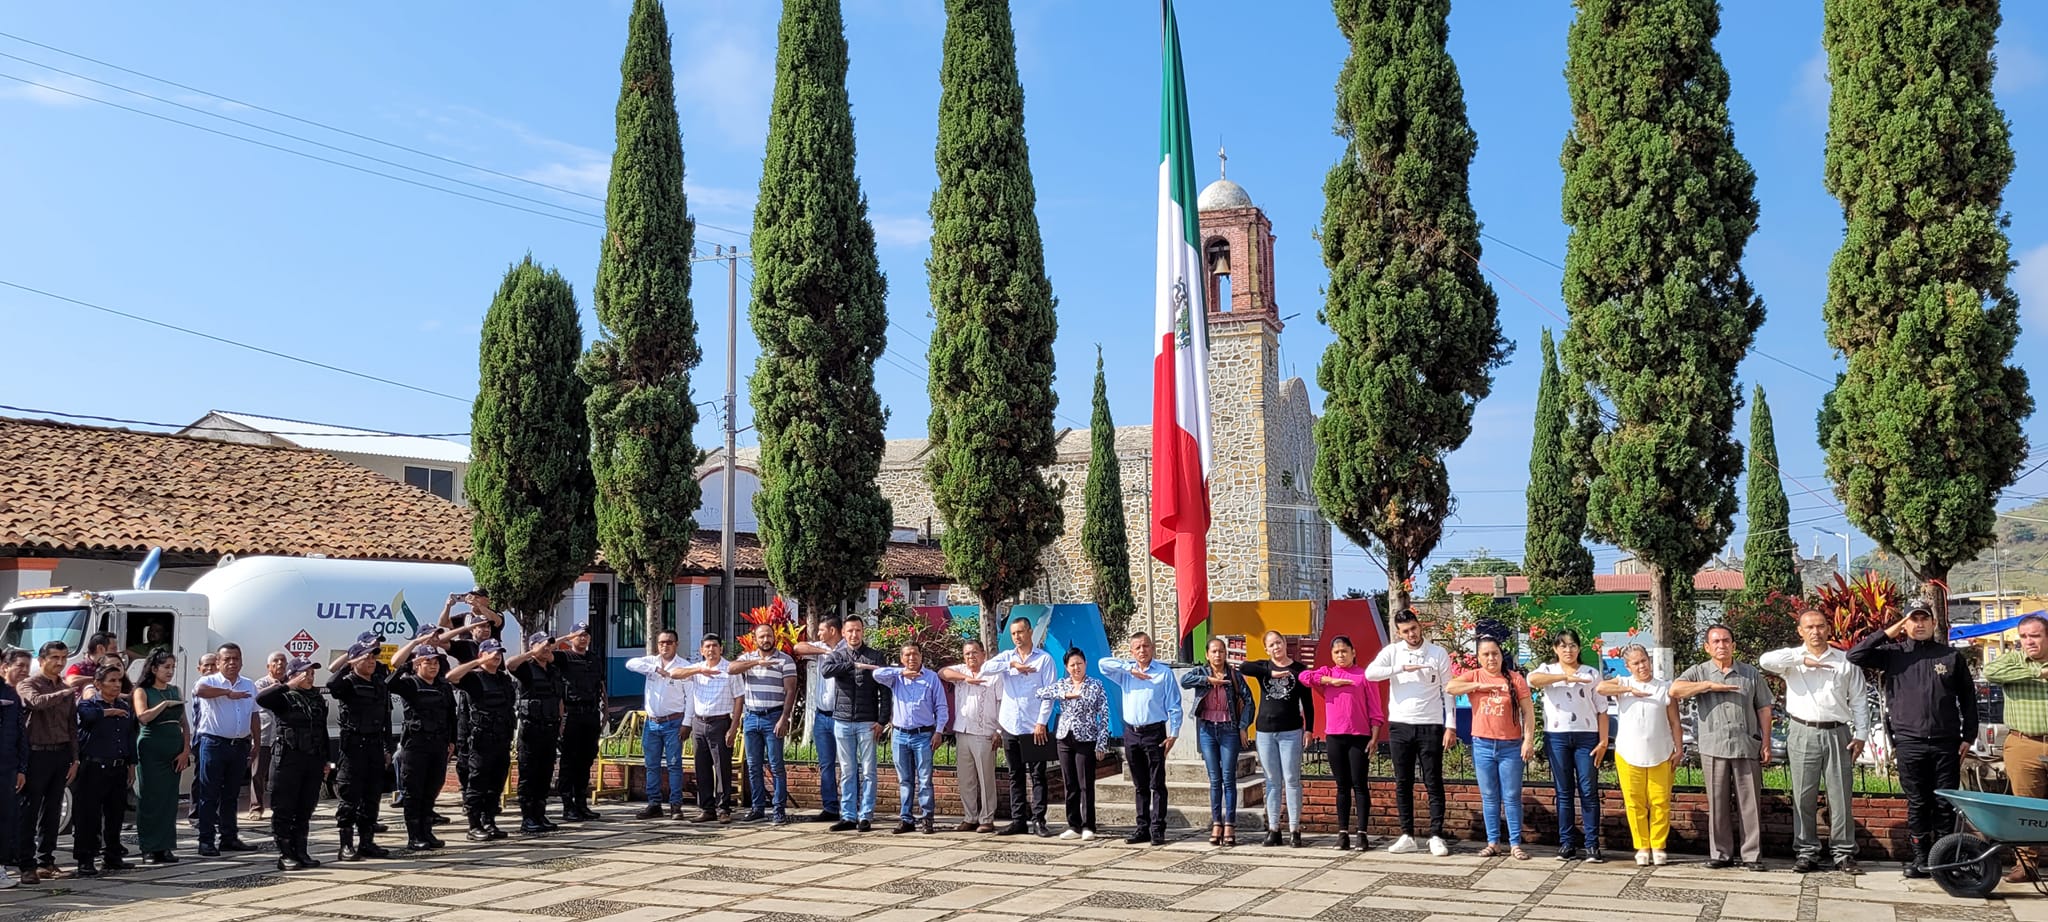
[2030,282]
[901,230]
[727,74]
[1810,94]
[588,176]
[55,90]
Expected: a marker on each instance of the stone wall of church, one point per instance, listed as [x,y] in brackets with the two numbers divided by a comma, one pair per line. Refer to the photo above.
[1243,374]
[1300,536]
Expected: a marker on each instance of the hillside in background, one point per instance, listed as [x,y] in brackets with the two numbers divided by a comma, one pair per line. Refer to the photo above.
[2021,557]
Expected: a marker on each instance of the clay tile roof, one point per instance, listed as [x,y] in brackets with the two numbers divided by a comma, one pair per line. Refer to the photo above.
[900,560]
[84,490]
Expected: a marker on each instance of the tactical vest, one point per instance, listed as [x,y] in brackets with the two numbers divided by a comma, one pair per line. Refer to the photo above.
[429,711]
[487,706]
[365,704]
[302,724]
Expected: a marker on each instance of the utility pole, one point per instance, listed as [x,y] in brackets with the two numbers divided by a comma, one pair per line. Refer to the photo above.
[729,592]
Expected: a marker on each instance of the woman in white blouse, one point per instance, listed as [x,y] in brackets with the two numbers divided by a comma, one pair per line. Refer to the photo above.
[1645,751]
[1575,729]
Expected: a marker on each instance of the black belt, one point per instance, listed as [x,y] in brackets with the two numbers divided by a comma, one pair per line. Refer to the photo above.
[224,739]
[1147,728]
[666,718]
[1818,724]
[918,731]
[765,712]
[106,763]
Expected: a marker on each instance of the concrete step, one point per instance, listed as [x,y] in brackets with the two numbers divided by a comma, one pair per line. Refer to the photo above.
[1251,790]
[1115,815]
[1187,771]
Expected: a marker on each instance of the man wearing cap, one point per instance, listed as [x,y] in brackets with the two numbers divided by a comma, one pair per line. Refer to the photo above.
[666,699]
[227,729]
[769,693]
[485,623]
[360,690]
[583,706]
[539,680]
[429,738]
[486,702]
[1932,717]
[298,761]
[266,737]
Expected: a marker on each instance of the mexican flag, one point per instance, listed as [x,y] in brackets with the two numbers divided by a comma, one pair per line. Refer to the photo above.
[1180,361]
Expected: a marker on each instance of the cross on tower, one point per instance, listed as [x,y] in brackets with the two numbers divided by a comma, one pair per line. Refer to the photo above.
[1222,162]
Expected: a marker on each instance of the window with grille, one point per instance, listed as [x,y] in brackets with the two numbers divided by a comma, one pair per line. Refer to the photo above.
[632,616]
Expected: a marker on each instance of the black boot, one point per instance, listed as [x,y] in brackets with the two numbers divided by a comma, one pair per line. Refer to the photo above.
[348,843]
[366,847]
[1917,867]
[477,832]
[582,806]
[300,850]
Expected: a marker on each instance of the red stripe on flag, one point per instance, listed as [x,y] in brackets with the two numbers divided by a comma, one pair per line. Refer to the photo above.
[1180,498]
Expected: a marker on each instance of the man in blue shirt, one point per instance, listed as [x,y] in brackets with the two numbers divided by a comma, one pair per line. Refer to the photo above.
[918,714]
[1151,707]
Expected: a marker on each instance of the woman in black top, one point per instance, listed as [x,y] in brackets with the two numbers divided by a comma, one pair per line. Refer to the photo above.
[1287,712]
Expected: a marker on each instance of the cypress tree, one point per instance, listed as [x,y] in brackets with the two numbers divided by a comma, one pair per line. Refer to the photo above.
[529,479]
[641,414]
[1660,206]
[1923,429]
[1103,539]
[991,352]
[1417,328]
[818,312]
[1557,561]
[1768,554]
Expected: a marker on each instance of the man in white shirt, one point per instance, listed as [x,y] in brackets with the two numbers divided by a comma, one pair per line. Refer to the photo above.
[978,700]
[1422,722]
[714,699]
[824,696]
[667,703]
[225,736]
[1827,699]
[1026,742]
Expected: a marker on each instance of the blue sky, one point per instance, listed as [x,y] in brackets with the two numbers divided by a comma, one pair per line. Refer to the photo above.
[390,279]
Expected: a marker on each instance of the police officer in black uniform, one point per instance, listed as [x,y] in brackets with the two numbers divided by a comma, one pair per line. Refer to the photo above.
[485,704]
[297,760]
[360,687]
[583,704]
[539,679]
[484,623]
[429,737]
[1932,717]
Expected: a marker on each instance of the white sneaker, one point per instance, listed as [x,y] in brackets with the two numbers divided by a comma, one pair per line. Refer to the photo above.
[1087,835]
[1437,846]
[1402,846]
[6,880]
[1070,834]
[1657,857]
[1642,857]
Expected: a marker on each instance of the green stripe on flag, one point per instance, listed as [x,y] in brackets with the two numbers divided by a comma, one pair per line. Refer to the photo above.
[1175,145]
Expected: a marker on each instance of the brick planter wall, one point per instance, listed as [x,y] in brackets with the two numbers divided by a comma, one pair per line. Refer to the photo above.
[1880,819]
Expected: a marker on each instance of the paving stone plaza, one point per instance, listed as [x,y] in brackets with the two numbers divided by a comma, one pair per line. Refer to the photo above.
[624,870]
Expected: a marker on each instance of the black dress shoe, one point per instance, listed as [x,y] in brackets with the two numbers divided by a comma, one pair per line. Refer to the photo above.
[1343,841]
[548,824]
[372,850]
[1014,829]
[903,827]
[844,826]
[585,813]
[305,859]
[348,853]
[1041,830]
[289,863]
[1805,866]
[86,869]
[478,834]
[116,864]
[532,828]
[754,816]
[1719,863]
[1567,853]
[825,816]
[208,850]
[928,827]
[650,812]
[1138,838]
[236,845]
[437,819]
[865,826]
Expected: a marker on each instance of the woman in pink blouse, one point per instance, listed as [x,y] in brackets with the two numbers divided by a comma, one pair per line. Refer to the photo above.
[1353,716]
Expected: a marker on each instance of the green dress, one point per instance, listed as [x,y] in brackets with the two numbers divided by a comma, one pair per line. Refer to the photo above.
[156,808]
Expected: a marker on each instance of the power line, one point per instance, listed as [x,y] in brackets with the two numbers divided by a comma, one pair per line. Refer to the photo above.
[230,342]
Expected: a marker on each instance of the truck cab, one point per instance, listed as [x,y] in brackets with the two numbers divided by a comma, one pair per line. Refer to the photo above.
[141,621]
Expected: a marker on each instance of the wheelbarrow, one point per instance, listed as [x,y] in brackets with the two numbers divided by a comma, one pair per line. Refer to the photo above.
[1968,864]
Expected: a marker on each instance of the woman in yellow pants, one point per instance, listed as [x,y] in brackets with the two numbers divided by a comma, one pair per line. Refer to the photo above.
[1646,751]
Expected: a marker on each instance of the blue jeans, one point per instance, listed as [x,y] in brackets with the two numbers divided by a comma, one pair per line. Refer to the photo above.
[1219,743]
[826,746]
[1280,758]
[856,742]
[659,742]
[217,788]
[914,774]
[1577,781]
[1499,766]
[764,745]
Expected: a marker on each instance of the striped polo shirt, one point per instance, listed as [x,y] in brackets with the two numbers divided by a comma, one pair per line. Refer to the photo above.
[764,690]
